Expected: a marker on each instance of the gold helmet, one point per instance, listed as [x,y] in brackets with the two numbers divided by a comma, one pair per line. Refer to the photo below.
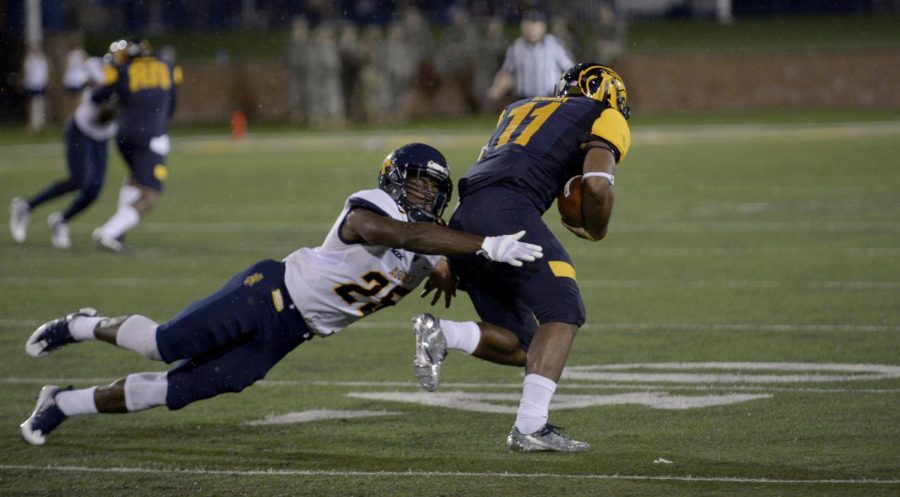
[595,81]
[121,51]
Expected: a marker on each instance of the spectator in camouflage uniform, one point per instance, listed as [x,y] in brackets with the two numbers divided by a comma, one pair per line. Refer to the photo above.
[323,80]
[297,58]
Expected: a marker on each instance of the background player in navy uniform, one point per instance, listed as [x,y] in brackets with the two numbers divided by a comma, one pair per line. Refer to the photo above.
[86,157]
[146,87]
[379,249]
[530,316]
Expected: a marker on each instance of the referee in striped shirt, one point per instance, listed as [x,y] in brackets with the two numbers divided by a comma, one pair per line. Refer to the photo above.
[533,63]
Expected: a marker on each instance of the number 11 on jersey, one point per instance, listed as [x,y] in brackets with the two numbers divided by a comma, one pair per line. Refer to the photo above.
[539,112]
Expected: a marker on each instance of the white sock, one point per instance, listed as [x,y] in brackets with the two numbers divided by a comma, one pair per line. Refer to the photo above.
[145,390]
[461,336]
[128,195]
[121,222]
[534,407]
[76,402]
[82,328]
[138,333]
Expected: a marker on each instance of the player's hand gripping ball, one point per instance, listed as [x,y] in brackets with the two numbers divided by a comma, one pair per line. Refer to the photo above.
[569,203]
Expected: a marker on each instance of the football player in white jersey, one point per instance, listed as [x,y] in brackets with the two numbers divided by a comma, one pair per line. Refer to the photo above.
[383,244]
[86,136]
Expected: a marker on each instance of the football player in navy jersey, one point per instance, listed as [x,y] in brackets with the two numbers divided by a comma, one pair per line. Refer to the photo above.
[529,317]
[146,88]
[85,137]
[384,243]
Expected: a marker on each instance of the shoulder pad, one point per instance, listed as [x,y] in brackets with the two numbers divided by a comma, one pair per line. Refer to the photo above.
[177,75]
[612,128]
[376,200]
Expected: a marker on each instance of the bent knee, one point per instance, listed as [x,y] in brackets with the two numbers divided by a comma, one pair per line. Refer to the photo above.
[91,191]
[147,201]
[71,184]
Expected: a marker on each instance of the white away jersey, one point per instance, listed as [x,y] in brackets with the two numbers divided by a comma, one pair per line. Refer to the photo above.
[337,283]
[87,113]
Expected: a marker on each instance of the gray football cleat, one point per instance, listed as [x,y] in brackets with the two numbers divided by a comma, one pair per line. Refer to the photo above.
[19,214]
[45,418]
[431,349]
[54,334]
[546,439]
[59,231]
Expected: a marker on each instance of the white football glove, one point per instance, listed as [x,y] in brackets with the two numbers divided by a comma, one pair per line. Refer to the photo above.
[508,249]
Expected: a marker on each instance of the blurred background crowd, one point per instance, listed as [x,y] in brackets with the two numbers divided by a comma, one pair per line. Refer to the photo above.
[340,69]
[325,63]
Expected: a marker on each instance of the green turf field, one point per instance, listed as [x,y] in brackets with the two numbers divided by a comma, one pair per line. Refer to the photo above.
[743,334]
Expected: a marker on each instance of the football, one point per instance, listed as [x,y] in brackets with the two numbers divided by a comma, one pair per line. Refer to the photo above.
[569,203]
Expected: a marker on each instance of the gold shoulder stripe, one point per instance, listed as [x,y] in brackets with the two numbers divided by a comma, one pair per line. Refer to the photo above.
[110,75]
[177,75]
[562,269]
[612,127]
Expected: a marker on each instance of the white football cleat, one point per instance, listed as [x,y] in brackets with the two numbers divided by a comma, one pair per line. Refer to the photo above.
[45,418]
[54,334]
[59,231]
[19,214]
[104,242]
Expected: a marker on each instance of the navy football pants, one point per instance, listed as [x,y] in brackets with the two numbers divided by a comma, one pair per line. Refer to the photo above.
[232,338]
[86,160]
[542,291]
[147,167]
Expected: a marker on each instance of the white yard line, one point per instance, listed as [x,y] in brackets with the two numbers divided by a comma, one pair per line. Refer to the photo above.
[851,328]
[565,385]
[449,474]
[377,141]
[687,326]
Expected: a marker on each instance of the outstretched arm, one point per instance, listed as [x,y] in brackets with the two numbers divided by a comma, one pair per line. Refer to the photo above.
[424,238]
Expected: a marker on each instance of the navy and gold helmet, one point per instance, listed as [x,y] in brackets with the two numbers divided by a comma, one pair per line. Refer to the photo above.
[121,51]
[595,81]
[403,166]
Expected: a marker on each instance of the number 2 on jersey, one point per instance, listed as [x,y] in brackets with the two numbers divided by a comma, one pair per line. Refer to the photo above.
[350,291]
[539,115]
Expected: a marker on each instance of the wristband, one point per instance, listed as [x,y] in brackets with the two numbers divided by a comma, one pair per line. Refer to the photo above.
[610,177]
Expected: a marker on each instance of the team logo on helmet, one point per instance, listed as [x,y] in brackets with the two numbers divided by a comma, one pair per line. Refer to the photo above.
[597,82]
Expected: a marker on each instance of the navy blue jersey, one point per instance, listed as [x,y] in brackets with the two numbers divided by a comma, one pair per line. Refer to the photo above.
[146,91]
[536,147]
